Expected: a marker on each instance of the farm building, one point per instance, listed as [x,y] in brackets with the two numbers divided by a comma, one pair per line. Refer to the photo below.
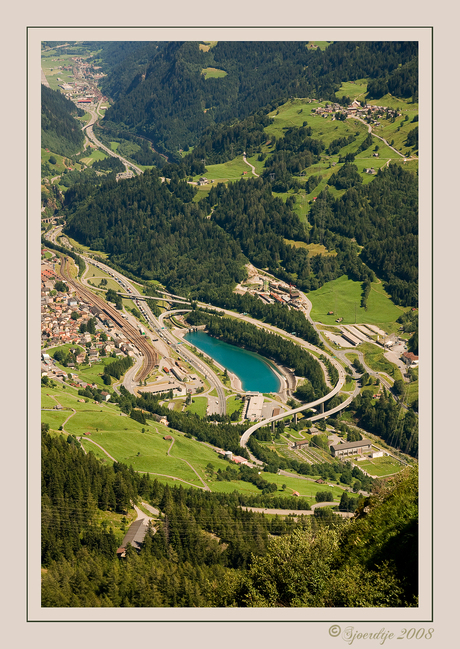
[134,536]
[409,358]
[161,420]
[303,442]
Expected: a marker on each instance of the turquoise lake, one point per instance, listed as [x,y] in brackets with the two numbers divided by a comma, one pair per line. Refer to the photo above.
[253,371]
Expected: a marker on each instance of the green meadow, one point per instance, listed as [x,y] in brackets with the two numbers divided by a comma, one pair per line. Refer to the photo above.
[231,170]
[322,45]
[381,467]
[213,73]
[294,113]
[123,439]
[54,419]
[96,154]
[374,358]
[343,297]
[79,247]
[353,89]
[198,406]
[60,166]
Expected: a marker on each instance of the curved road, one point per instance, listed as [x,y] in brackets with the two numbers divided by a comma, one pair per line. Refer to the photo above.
[188,355]
[88,129]
[250,165]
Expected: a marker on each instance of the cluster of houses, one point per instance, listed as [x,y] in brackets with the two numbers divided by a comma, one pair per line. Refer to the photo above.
[356,110]
[87,93]
[62,316]
[270,292]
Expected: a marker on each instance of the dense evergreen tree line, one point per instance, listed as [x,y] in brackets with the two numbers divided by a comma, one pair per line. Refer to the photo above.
[220,142]
[402,82]
[116,369]
[133,147]
[108,164]
[383,218]
[147,228]
[61,133]
[270,345]
[293,153]
[388,420]
[275,314]
[160,92]
[409,321]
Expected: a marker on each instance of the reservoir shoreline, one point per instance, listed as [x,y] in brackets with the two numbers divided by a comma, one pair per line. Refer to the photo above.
[236,380]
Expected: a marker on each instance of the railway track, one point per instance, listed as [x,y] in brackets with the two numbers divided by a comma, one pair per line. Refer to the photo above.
[131,333]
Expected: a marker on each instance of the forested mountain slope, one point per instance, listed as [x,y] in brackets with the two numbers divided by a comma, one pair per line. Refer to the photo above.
[155,231]
[61,133]
[383,218]
[160,91]
[207,551]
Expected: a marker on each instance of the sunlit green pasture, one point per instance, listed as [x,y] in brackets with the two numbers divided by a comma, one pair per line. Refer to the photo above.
[231,170]
[381,466]
[96,154]
[213,73]
[353,89]
[198,406]
[343,297]
[322,45]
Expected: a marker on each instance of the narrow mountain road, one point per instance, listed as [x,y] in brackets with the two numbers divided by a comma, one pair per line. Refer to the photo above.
[101,447]
[206,487]
[250,165]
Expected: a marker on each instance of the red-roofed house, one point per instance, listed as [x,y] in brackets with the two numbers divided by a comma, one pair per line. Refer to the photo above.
[409,358]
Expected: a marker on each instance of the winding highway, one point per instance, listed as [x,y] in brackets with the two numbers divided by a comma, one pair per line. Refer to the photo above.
[88,130]
[163,333]
[171,341]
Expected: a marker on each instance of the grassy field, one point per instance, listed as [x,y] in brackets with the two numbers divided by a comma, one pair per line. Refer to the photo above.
[295,113]
[79,247]
[231,170]
[122,438]
[54,419]
[213,73]
[205,46]
[353,89]
[313,248]
[233,404]
[65,348]
[198,406]
[60,165]
[85,118]
[92,374]
[319,44]
[306,488]
[343,296]
[96,154]
[380,467]
[148,452]
[374,358]
[349,386]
